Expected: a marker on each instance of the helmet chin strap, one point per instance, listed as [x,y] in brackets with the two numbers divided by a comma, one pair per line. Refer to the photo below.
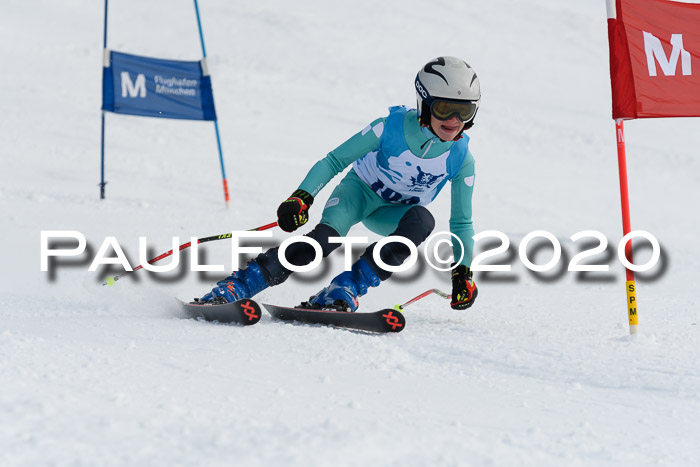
[465,127]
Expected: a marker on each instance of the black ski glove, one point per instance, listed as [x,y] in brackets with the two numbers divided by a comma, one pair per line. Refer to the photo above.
[294,211]
[464,289]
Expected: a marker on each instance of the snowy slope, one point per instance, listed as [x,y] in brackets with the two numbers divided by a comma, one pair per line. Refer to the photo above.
[541,371]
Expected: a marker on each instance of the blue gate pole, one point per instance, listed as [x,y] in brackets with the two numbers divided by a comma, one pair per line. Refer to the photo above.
[216,124]
[102,158]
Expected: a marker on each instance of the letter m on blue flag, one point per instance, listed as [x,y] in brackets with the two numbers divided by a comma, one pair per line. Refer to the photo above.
[154,87]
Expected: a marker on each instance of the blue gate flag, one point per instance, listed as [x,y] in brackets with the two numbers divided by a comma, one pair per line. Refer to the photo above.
[153,87]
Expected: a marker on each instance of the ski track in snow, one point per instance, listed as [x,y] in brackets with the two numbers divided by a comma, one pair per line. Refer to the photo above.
[541,371]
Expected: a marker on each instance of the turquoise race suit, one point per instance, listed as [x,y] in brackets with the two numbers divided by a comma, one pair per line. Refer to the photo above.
[398,167]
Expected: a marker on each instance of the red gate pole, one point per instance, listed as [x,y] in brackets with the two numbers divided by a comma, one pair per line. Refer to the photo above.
[624,198]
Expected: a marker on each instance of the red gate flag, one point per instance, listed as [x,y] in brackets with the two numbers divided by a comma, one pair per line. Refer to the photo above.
[654,58]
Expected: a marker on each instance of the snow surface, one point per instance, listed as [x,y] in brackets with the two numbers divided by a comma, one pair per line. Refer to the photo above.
[541,371]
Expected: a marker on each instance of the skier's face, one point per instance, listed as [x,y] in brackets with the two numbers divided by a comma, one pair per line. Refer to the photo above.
[446,130]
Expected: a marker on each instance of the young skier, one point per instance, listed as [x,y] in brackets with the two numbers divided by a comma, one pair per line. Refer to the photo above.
[400,164]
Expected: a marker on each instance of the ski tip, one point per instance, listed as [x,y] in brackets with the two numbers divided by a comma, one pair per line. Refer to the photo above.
[246,311]
[393,322]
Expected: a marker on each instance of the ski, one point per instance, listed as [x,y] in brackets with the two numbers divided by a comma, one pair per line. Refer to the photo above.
[246,312]
[386,320]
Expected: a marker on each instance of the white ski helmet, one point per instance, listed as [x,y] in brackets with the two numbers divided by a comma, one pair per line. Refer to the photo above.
[445,87]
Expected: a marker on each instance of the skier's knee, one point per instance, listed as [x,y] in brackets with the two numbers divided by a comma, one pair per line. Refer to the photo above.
[416,225]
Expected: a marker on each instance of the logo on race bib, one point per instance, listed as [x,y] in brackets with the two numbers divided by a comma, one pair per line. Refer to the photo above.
[424,179]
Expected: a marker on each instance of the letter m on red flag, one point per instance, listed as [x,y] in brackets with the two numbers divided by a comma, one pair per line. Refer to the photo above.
[654,58]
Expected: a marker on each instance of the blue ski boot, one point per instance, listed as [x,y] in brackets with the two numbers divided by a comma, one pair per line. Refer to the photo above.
[346,288]
[243,283]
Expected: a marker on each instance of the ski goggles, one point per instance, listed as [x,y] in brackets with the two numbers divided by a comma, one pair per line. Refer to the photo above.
[445,109]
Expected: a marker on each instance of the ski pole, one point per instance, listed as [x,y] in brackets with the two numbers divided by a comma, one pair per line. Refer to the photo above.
[111,280]
[398,307]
